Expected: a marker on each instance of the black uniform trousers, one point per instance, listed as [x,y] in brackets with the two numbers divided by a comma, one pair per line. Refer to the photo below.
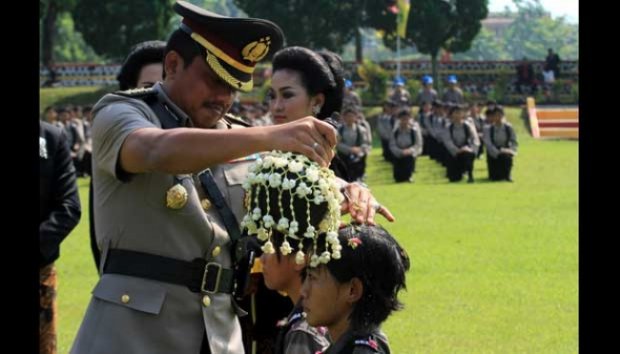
[500,167]
[404,168]
[387,153]
[355,166]
[459,164]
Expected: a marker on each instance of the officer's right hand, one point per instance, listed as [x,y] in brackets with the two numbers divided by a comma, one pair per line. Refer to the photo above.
[308,136]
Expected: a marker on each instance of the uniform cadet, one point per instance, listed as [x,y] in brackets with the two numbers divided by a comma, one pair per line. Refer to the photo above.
[361,120]
[353,146]
[423,119]
[501,142]
[429,126]
[59,213]
[427,93]
[288,219]
[439,122]
[165,238]
[351,98]
[406,145]
[400,95]
[453,94]
[385,127]
[461,141]
[478,121]
[50,115]
[354,293]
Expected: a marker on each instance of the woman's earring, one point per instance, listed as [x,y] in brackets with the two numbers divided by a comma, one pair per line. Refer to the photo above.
[316,109]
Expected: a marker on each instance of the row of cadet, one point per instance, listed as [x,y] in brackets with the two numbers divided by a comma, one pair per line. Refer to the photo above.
[452,134]
[75,121]
[401,96]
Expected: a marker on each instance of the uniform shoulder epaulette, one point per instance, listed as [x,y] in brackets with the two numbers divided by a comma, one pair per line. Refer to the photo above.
[231,119]
[137,93]
[367,342]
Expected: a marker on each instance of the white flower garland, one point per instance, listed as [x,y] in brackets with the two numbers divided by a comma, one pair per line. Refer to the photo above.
[313,183]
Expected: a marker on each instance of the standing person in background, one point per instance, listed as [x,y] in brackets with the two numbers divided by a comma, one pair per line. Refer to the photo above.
[351,98]
[400,95]
[50,115]
[525,76]
[552,63]
[453,94]
[427,93]
[59,213]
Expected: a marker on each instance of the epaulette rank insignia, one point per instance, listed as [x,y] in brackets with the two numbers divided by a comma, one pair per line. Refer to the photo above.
[246,158]
[229,118]
[137,92]
[368,342]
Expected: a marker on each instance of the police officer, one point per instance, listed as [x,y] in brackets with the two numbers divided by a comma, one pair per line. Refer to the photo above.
[501,142]
[400,95]
[385,127]
[353,145]
[351,98]
[427,93]
[461,141]
[59,213]
[424,116]
[167,260]
[143,67]
[406,145]
[478,121]
[453,94]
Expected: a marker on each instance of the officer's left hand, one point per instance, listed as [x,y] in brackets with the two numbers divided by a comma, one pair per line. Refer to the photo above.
[362,206]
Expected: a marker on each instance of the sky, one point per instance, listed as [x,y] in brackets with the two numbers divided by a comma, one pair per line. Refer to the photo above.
[568,8]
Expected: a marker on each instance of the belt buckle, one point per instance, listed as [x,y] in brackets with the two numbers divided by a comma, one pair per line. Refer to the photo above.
[218,268]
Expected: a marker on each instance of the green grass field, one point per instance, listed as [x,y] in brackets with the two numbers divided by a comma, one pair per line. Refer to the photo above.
[494,265]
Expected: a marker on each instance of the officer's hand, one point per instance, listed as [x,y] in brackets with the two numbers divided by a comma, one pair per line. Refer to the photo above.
[362,205]
[308,136]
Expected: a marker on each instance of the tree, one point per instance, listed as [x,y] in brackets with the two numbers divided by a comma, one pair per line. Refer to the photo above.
[322,23]
[70,45]
[314,24]
[48,16]
[112,27]
[436,24]
[534,31]
[484,47]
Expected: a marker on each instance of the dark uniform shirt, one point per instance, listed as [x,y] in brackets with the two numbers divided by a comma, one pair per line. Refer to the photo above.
[371,342]
[298,337]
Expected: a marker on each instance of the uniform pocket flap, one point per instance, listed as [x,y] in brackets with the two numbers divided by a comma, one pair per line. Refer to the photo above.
[238,174]
[131,292]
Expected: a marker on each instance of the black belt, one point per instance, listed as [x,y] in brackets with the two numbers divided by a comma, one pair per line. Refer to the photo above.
[197,275]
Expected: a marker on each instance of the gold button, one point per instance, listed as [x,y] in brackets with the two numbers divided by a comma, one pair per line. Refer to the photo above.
[125,298]
[206,300]
[216,251]
[206,204]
